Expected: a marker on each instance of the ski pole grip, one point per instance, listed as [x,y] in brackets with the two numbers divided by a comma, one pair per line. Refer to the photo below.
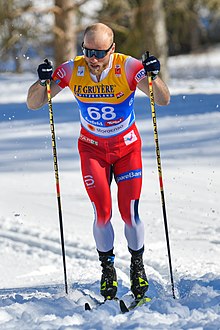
[145,56]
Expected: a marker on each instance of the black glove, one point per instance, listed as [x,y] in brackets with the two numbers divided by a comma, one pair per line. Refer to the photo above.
[45,71]
[151,64]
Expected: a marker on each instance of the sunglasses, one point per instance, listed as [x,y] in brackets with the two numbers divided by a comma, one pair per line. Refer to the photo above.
[95,52]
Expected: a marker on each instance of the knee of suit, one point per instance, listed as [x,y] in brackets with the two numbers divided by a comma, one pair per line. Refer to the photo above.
[102,215]
[102,221]
[129,212]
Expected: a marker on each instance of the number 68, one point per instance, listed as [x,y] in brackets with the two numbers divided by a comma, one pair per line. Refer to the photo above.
[106,113]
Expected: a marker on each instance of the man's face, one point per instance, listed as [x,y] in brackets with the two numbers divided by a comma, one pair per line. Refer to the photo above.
[97,66]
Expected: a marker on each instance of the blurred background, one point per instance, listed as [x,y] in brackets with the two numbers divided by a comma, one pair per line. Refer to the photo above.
[33,30]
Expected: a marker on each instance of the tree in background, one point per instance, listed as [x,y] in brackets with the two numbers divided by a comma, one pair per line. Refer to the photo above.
[39,29]
[190,24]
[139,25]
[21,31]
[65,29]
[70,18]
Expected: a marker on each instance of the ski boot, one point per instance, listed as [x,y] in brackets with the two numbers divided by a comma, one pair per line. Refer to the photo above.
[139,283]
[109,284]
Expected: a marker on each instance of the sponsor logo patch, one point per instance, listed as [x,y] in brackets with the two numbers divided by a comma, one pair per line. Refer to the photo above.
[113,122]
[140,75]
[120,94]
[61,73]
[89,181]
[80,71]
[135,174]
[93,91]
[87,139]
[130,137]
[118,70]
[91,127]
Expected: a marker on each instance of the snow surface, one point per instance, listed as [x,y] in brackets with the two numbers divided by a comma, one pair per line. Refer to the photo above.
[31,277]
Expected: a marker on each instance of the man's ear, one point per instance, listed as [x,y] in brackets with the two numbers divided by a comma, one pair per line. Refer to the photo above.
[113,48]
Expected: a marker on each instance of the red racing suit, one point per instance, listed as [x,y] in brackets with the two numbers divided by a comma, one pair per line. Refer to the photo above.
[109,142]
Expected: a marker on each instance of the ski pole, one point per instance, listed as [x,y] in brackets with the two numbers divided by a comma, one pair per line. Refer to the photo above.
[55,160]
[159,166]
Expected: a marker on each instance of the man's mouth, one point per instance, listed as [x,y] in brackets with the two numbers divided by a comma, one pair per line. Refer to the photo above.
[94,66]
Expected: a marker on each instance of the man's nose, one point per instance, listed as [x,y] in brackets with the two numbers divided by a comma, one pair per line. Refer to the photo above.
[93,59]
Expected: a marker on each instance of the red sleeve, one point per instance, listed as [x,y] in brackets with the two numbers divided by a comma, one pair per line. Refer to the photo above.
[63,73]
[134,72]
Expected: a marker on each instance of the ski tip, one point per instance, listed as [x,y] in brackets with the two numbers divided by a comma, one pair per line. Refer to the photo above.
[139,302]
[123,307]
[87,307]
[136,303]
[147,299]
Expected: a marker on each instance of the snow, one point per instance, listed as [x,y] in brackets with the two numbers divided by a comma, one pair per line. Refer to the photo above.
[31,277]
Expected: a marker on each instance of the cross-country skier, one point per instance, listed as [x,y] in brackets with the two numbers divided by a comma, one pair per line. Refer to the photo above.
[104,83]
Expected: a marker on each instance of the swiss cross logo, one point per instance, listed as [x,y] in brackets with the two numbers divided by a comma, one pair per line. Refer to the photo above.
[117,70]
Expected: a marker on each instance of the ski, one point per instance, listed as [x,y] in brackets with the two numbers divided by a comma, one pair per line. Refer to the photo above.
[98,303]
[88,307]
[136,303]
[123,307]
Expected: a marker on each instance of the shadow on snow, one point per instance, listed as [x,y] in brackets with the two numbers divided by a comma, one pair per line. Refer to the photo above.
[194,294]
[25,142]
